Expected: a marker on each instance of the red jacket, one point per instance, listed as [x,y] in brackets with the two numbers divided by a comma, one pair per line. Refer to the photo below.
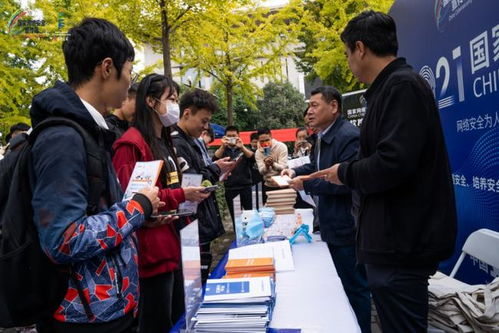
[159,248]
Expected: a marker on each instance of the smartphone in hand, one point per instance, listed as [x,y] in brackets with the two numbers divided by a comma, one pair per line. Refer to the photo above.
[209,189]
[179,213]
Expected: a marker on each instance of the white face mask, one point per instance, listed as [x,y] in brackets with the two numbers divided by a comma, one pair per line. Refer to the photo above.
[171,116]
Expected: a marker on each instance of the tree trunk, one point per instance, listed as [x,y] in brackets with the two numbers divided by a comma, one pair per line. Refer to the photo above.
[165,40]
[229,91]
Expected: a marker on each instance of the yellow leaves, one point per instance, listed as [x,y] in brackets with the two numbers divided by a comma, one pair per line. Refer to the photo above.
[322,23]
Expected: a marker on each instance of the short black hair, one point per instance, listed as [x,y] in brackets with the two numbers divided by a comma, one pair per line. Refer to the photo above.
[19,127]
[89,43]
[197,99]
[263,131]
[132,91]
[231,128]
[254,136]
[23,127]
[375,29]
[329,93]
[305,112]
[299,129]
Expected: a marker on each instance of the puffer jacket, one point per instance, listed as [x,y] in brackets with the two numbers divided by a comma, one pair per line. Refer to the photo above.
[100,248]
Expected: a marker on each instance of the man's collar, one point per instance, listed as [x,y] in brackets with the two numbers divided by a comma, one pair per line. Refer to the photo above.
[329,133]
[324,132]
[96,115]
[385,72]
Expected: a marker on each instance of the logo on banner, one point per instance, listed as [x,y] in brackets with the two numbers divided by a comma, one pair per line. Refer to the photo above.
[447,10]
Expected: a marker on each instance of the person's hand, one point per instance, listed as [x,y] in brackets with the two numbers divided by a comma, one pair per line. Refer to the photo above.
[195,194]
[239,143]
[297,183]
[225,141]
[288,172]
[269,161]
[306,145]
[225,164]
[329,174]
[160,220]
[152,194]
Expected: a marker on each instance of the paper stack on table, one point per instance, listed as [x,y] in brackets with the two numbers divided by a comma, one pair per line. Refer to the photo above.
[236,305]
[250,267]
[279,251]
[282,201]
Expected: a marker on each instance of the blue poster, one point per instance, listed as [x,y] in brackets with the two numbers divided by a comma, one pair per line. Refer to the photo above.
[454,45]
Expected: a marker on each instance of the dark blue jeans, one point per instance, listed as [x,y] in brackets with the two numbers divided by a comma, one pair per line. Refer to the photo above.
[401,297]
[353,278]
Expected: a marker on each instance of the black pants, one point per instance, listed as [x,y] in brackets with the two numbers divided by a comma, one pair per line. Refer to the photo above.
[178,306]
[246,200]
[120,325]
[155,306]
[401,297]
[206,260]
[353,278]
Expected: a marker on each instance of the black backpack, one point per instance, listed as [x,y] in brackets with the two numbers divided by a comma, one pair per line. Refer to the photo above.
[32,286]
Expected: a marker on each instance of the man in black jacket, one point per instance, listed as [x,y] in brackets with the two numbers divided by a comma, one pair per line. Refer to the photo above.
[239,182]
[196,108]
[338,141]
[405,212]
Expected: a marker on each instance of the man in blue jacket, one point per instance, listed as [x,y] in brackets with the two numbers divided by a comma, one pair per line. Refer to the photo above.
[337,141]
[98,247]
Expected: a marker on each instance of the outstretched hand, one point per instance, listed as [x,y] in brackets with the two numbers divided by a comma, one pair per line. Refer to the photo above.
[329,174]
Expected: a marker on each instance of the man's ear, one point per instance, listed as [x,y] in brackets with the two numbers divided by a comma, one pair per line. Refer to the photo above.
[186,114]
[105,68]
[361,47]
[334,106]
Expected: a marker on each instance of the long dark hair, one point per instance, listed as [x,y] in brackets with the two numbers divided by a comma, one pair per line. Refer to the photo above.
[154,85]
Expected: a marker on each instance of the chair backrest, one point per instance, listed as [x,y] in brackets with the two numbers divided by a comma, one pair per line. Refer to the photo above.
[482,244]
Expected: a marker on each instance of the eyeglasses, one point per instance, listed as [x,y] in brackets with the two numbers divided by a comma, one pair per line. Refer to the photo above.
[134,77]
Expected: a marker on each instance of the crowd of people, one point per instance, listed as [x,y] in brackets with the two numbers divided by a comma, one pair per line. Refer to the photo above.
[385,204]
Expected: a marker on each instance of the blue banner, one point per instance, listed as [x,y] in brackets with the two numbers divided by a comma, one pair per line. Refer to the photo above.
[454,45]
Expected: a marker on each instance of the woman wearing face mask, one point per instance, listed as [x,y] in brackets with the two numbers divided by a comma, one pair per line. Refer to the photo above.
[159,248]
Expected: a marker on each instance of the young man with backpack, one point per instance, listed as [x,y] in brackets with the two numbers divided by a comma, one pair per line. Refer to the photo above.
[82,224]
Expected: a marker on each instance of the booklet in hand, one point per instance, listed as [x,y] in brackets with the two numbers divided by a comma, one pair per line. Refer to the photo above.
[281,181]
[145,174]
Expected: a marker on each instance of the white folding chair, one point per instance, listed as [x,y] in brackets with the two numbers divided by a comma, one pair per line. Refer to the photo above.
[482,244]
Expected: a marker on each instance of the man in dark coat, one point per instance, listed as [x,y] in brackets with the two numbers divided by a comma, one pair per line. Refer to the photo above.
[196,109]
[337,141]
[403,192]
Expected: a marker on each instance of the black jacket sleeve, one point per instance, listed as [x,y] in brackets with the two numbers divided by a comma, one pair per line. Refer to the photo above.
[399,137]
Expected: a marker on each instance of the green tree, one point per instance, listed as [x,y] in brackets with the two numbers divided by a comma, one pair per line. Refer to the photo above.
[282,106]
[320,26]
[246,115]
[237,45]
[30,59]
[157,23]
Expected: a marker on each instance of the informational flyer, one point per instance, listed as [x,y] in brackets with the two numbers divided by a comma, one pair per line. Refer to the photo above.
[145,174]
[190,179]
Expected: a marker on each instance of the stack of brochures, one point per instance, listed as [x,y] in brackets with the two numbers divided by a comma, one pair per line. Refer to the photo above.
[236,305]
[250,267]
[282,201]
